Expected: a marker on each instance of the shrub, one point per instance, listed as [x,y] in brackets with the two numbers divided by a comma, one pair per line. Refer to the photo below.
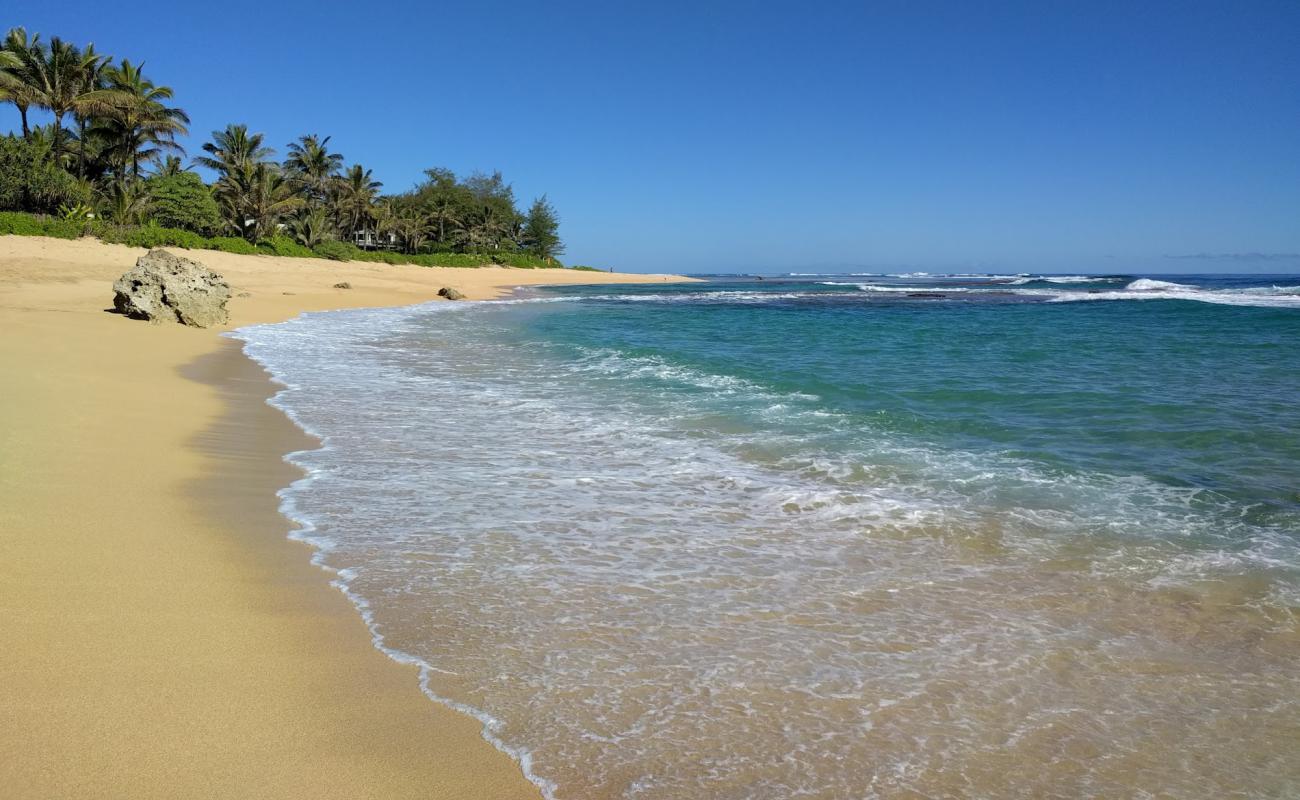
[149,236]
[231,244]
[18,224]
[585,268]
[388,257]
[280,245]
[340,251]
[183,201]
[527,261]
[31,181]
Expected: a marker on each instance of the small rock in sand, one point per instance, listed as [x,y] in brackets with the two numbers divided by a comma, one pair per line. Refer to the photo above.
[343,285]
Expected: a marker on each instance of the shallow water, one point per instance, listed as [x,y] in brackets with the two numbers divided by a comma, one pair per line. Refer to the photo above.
[939,536]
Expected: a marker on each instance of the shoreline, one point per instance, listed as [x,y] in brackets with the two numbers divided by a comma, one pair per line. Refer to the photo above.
[261,389]
[165,637]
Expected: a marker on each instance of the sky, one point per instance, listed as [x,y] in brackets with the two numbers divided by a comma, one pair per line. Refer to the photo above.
[771,136]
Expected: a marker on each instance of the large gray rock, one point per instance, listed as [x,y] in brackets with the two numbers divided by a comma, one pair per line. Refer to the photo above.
[163,287]
[450,293]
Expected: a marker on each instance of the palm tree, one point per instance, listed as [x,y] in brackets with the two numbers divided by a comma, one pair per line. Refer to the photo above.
[141,126]
[411,226]
[487,231]
[255,197]
[93,67]
[125,202]
[354,199]
[311,227]
[312,166]
[249,187]
[168,166]
[445,211]
[232,149]
[20,58]
[57,79]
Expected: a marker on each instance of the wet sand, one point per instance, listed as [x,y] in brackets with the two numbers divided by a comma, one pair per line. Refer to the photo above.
[161,636]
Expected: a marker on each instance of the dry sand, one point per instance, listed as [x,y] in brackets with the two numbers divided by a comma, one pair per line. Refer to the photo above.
[159,635]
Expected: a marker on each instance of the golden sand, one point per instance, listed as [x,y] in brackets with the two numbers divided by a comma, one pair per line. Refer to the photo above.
[159,635]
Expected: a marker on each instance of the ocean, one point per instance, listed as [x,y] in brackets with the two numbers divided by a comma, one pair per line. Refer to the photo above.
[828,536]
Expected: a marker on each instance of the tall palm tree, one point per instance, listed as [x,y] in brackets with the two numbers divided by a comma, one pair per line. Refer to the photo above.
[353,198]
[312,166]
[246,179]
[93,67]
[233,149]
[20,59]
[58,80]
[141,126]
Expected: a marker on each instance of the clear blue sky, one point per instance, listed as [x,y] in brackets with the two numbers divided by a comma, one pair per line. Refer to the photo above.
[747,136]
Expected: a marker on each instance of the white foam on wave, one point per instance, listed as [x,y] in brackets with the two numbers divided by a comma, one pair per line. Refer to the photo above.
[1151,289]
[1151,285]
[875,287]
[1020,281]
[1140,289]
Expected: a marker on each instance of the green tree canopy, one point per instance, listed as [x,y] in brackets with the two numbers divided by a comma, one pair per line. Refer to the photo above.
[182,200]
[541,234]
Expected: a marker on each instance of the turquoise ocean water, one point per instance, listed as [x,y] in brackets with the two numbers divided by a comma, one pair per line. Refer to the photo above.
[831,536]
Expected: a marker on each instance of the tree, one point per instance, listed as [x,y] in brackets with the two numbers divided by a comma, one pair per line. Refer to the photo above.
[19,60]
[125,201]
[255,198]
[232,149]
[447,203]
[93,67]
[312,167]
[311,227]
[412,228]
[168,166]
[353,198]
[491,217]
[30,180]
[250,191]
[181,200]
[140,126]
[541,233]
[488,227]
[58,78]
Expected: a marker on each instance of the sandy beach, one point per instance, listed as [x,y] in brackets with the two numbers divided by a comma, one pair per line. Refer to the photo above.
[162,637]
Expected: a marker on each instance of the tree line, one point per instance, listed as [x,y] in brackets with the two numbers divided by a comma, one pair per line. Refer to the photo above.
[111,152]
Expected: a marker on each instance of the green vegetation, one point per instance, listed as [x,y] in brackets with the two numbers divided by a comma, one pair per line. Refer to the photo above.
[109,164]
[542,230]
[29,180]
[181,200]
[284,246]
[72,226]
[28,225]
